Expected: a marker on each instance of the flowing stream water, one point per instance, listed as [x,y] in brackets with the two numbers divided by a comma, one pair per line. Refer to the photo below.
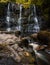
[36,25]
[20,19]
[8,17]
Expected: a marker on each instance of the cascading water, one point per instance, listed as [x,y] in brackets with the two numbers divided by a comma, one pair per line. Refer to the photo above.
[20,18]
[33,21]
[36,24]
[8,18]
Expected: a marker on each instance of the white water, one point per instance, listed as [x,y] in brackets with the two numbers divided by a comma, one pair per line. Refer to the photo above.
[36,25]
[8,18]
[19,20]
[38,54]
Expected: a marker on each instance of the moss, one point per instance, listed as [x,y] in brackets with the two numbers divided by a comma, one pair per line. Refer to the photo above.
[28,58]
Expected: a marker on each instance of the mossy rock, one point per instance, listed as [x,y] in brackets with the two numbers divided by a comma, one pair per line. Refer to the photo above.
[44,37]
[28,58]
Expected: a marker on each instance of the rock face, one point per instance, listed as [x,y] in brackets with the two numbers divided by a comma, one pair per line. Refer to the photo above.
[9,47]
[43,37]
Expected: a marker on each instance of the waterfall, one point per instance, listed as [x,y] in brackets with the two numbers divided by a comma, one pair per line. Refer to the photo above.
[20,18]
[8,18]
[36,24]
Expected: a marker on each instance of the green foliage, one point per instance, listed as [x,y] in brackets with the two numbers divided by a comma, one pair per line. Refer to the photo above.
[12,0]
[38,2]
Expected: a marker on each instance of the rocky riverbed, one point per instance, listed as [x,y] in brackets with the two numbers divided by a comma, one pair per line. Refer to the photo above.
[15,49]
[11,53]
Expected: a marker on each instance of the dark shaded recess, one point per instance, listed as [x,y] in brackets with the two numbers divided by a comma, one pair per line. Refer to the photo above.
[46,4]
[3,9]
[18,33]
[1,48]
[44,37]
[38,10]
[48,22]
[7,61]
[16,8]
[2,15]
[42,20]
[13,0]
[43,24]
[26,12]
[24,43]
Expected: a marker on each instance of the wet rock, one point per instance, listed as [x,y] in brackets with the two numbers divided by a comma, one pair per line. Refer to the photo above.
[12,49]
